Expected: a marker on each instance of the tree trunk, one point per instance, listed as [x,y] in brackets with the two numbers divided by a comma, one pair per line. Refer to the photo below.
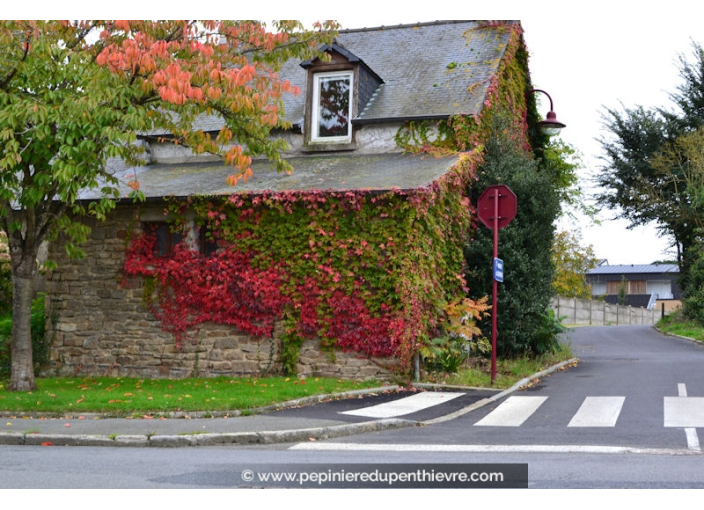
[22,375]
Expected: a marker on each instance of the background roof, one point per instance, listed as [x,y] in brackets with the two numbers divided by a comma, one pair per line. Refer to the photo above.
[635,268]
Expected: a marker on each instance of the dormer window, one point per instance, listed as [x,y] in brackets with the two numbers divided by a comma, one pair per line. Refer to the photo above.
[331,107]
[337,90]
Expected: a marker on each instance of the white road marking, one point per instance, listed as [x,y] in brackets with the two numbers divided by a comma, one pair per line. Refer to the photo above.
[687,412]
[692,439]
[406,405]
[468,448]
[598,412]
[682,389]
[684,411]
[512,412]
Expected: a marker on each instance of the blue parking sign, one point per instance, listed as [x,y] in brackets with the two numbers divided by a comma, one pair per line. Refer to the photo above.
[498,270]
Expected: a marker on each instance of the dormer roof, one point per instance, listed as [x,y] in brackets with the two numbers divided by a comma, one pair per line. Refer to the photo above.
[430,70]
[329,48]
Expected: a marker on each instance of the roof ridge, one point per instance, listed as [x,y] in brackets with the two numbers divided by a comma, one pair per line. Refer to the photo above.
[407,25]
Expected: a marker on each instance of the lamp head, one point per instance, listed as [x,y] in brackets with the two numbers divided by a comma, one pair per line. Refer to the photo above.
[551,126]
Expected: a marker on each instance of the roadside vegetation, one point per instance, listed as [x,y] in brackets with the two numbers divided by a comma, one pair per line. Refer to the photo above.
[475,371]
[677,323]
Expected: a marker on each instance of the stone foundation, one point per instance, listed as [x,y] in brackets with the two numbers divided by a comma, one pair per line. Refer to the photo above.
[102,328]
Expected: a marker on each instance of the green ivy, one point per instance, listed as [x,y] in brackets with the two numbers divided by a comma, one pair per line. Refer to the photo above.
[361,270]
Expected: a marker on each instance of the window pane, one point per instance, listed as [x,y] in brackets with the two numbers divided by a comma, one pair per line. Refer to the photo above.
[334,106]
[161,231]
[165,239]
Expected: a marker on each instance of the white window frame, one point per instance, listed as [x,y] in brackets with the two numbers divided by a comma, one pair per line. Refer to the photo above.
[315,108]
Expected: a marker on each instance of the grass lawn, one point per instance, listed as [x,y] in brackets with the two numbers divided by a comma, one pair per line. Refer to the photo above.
[676,324]
[136,397]
[127,396]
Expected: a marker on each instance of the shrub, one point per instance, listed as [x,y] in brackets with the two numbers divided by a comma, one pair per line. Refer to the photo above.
[693,288]
[41,343]
[5,276]
[525,245]
[461,336]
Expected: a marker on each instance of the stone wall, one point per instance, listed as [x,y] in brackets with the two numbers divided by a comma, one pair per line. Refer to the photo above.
[102,327]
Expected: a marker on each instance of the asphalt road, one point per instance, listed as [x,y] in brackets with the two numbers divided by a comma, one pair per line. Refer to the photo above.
[645,391]
[635,368]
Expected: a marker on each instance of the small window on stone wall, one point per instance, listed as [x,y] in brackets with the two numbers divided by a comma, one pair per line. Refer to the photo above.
[206,242]
[166,239]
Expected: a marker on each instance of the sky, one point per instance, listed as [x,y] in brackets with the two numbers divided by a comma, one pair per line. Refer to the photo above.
[586,55]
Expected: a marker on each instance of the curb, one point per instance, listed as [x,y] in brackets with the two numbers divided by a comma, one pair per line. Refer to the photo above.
[520,384]
[269,437]
[241,438]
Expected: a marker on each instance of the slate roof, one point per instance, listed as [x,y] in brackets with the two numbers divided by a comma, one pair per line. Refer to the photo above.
[634,268]
[430,70]
[337,172]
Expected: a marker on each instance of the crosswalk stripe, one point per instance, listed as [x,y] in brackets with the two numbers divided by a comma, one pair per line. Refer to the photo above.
[512,412]
[689,432]
[598,412]
[684,411]
[406,405]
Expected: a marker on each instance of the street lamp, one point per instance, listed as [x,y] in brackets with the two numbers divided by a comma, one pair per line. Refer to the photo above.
[550,126]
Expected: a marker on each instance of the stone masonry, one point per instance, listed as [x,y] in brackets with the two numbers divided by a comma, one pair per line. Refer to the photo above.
[102,327]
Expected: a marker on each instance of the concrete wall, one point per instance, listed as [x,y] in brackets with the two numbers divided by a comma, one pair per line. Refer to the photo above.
[598,313]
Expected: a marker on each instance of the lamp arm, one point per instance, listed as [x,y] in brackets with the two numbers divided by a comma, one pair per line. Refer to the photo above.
[540,90]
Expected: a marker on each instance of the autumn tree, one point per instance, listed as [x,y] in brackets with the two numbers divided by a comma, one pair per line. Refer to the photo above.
[572,261]
[74,94]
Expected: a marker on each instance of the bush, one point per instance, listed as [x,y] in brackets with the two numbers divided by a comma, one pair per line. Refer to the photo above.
[462,336]
[5,276]
[40,343]
[5,339]
[693,288]
[524,323]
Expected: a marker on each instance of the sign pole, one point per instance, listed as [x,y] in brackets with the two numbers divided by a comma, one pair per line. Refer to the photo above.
[496,207]
[494,287]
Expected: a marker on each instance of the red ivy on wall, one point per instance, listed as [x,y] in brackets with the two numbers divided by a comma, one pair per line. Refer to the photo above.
[362,271]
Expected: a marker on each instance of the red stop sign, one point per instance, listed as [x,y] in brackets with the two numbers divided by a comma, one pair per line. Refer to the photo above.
[486,206]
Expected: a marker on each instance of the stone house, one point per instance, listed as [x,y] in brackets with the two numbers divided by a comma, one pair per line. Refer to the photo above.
[340,268]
